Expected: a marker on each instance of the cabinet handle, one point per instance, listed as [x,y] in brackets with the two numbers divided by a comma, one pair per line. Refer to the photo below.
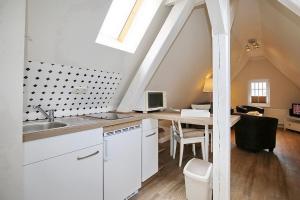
[151,134]
[106,157]
[84,157]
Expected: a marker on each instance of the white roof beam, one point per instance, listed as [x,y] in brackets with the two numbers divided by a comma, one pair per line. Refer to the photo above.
[217,12]
[166,36]
[173,2]
[233,10]
[293,5]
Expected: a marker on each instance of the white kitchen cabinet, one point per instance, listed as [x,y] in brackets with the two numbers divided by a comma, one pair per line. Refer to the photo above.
[74,173]
[149,148]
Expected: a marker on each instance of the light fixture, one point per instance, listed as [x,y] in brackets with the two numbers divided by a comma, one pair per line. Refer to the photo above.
[208,85]
[252,45]
[248,48]
[208,88]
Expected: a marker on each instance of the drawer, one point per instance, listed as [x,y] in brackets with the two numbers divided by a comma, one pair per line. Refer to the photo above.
[43,149]
[149,124]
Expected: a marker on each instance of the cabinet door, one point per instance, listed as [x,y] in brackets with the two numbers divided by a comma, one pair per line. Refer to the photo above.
[149,154]
[77,176]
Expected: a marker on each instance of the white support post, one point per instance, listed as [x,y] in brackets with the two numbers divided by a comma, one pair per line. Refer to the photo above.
[221,119]
[219,15]
[293,5]
[169,31]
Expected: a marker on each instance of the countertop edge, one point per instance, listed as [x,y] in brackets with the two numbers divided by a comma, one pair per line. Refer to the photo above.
[27,137]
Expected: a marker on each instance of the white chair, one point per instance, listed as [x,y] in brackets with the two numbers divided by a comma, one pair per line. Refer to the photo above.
[206,107]
[172,132]
[187,136]
[210,132]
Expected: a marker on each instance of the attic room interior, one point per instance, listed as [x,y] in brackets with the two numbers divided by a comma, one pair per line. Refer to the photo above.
[149,99]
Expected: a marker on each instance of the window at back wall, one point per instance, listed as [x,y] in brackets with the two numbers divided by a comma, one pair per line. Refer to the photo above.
[259,93]
[126,23]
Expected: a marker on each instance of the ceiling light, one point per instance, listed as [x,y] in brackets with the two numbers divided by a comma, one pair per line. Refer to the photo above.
[248,48]
[252,44]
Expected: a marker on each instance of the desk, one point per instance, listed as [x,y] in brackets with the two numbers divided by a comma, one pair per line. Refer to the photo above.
[205,121]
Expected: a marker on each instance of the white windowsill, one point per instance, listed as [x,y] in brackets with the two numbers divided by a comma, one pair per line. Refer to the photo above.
[263,105]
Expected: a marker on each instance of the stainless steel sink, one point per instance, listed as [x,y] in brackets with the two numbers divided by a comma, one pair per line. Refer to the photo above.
[42,126]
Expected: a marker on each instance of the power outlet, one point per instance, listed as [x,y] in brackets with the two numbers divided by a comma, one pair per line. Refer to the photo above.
[80,90]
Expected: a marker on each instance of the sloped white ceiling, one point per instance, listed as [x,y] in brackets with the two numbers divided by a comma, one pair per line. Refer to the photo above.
[183,70]
[276,27]
[281,35]
[64,32]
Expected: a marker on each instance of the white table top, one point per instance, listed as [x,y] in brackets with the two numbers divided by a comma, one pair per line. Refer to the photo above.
[190,120]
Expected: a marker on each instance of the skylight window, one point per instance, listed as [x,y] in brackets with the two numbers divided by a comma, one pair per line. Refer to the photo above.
[126,23]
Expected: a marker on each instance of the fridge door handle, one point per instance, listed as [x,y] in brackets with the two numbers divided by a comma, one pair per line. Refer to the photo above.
[106,153]
[154,133]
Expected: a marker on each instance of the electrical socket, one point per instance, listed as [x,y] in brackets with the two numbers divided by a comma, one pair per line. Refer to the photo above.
[80,90]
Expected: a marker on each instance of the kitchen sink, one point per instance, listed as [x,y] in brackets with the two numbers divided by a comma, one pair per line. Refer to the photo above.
[42,126]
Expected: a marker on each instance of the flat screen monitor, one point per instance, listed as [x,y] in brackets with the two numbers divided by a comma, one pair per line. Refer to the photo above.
[296,109]
[155,100]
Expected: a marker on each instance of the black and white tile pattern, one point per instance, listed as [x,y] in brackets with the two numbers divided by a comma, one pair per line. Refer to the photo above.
[52,86]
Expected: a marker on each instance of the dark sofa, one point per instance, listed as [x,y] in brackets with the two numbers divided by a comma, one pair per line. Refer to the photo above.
[254,133]
[245,109]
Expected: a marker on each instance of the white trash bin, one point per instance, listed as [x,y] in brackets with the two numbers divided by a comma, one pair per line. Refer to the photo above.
[198,174]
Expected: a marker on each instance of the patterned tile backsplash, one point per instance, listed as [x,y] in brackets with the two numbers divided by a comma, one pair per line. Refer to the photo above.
[68,89]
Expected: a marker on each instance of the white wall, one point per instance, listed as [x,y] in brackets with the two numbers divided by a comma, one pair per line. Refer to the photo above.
[188,61]
[283,92]
[64,32]
[12,26]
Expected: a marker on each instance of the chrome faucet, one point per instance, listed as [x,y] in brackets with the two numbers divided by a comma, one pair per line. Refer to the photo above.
[49,116]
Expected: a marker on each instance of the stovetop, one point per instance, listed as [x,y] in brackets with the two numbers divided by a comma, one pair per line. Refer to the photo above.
[109,116]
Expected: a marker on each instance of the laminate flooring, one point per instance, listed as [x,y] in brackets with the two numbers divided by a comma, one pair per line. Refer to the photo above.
[254,176]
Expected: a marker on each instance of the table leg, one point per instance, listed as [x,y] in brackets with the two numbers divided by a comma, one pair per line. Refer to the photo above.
[171,141]
[206,142]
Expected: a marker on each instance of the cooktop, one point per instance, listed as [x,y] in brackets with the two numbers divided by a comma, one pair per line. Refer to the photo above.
[109,116]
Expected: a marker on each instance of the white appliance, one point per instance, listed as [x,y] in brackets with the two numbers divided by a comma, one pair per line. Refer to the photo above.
[152,101]
[122,163]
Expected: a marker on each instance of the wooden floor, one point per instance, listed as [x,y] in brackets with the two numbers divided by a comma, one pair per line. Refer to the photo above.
[261,176]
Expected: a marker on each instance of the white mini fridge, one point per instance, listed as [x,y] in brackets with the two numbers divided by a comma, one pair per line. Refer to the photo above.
[122,163]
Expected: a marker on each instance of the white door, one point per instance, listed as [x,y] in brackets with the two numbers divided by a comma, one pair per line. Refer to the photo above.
[122,164]
[149,154]
[73,176]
